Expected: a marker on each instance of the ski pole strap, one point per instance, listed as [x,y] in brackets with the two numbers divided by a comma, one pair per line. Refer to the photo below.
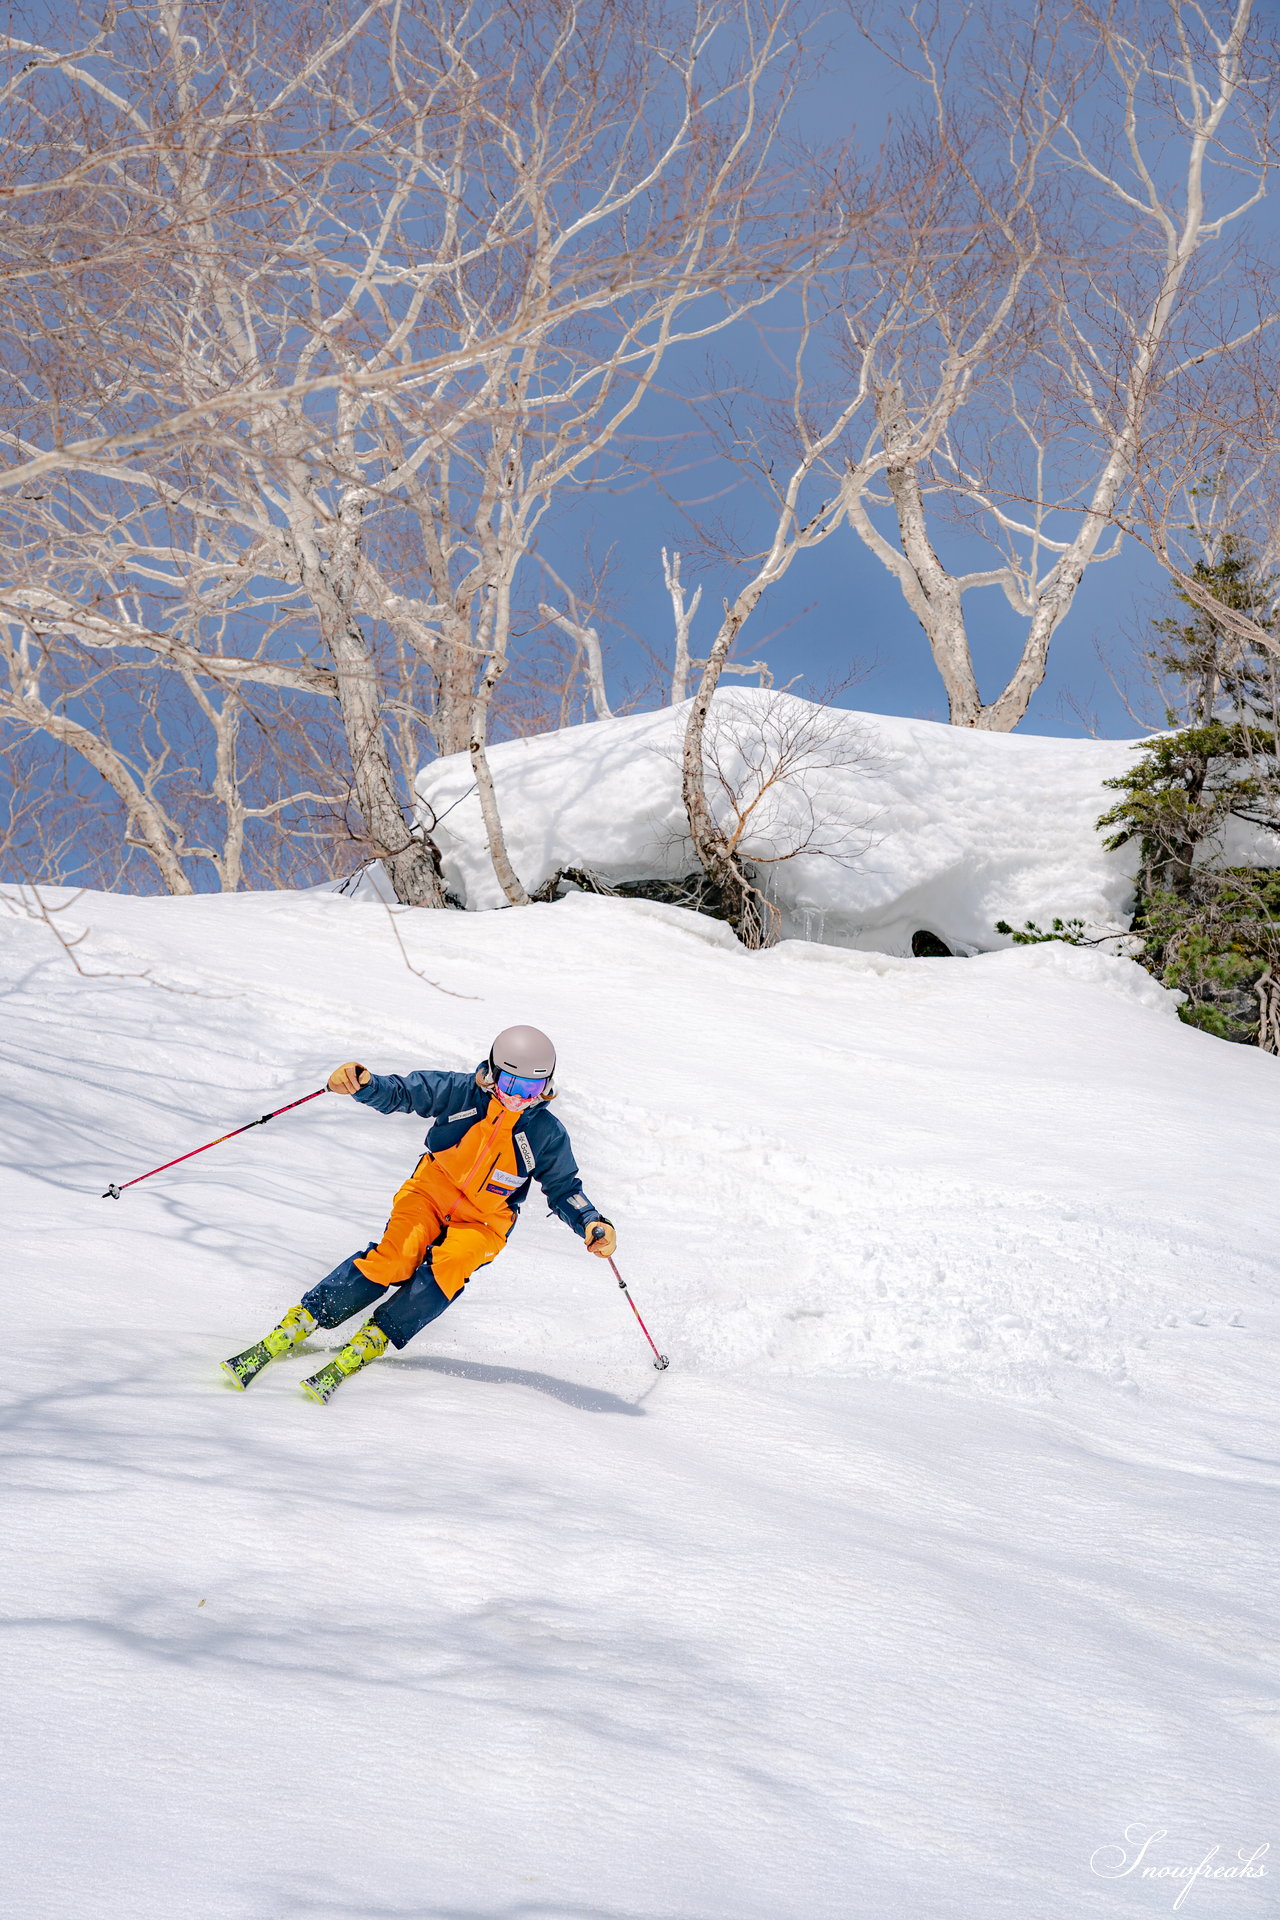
[113,1192]
[660,1360]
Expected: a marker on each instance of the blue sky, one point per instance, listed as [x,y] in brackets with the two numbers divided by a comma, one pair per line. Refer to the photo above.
[838,612]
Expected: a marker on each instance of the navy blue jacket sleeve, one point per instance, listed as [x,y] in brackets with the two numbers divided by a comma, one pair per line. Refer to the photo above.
[423,1092]
[556,1172]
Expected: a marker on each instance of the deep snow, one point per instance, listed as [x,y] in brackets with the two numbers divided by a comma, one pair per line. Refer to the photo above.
[943,1553]
[947,829]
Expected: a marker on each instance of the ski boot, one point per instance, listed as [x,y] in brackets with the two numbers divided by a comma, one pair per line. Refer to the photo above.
[246,1366]
[369,1344]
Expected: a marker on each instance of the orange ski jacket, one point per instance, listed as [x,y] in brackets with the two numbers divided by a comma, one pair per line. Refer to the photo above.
[490,1154]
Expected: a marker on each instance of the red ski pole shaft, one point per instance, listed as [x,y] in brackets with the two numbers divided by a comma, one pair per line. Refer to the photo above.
[660,1360]
[113,1192]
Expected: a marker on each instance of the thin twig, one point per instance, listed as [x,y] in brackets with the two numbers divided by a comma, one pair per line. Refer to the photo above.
[417,971]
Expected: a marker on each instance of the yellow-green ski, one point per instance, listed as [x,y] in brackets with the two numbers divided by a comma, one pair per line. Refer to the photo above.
[369,1344]
[242,1368]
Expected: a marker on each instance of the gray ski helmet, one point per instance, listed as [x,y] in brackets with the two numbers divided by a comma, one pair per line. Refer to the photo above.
[522,1050]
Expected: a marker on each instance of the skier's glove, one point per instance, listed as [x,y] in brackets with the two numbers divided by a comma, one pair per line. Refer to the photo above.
[601,1238]
[349,1076]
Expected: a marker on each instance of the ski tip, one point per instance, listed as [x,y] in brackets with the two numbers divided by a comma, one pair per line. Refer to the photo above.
[231,1374]
[315,1392]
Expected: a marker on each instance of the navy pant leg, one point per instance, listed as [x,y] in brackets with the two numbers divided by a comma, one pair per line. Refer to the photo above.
[343,1292]
[411,1306]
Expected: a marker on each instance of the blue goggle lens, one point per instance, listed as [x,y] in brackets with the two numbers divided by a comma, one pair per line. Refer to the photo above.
[521,1086]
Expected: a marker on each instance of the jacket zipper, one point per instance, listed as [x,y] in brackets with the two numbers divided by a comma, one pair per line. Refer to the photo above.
[464,1184]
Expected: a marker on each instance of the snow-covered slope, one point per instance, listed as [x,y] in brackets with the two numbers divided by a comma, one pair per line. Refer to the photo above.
[944,1552]
[938,828]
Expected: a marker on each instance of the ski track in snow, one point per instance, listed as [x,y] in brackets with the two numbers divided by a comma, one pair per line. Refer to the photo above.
[943,1554]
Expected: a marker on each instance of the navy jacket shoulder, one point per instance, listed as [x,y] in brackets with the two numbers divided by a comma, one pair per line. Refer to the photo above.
[423,1092]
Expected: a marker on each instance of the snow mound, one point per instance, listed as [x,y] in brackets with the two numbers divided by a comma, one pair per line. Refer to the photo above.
[934,828]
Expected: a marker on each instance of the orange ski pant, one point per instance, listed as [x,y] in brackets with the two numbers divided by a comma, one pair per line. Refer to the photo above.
[429,1214]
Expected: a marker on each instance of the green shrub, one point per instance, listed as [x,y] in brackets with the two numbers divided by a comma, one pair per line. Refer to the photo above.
[1208,930]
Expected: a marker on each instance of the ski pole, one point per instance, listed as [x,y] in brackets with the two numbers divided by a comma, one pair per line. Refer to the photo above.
[660,1359]
[113,1192]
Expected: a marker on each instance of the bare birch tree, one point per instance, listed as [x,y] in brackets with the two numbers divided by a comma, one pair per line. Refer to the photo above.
[768,759]
[436,259]
[1211,473]
[789,448]
[680,190]
[684,611]
[1087,169]
[198,777]
[575,622]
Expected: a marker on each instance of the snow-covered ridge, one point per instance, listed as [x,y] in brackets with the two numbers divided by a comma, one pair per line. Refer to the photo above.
[945,829]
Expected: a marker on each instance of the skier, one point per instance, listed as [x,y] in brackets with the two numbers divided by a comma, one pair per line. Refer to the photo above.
[491,1135]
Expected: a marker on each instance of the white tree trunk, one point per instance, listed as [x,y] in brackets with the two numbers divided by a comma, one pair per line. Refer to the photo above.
[682,617]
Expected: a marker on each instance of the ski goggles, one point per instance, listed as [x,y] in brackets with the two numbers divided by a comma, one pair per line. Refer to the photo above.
[521,1086]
